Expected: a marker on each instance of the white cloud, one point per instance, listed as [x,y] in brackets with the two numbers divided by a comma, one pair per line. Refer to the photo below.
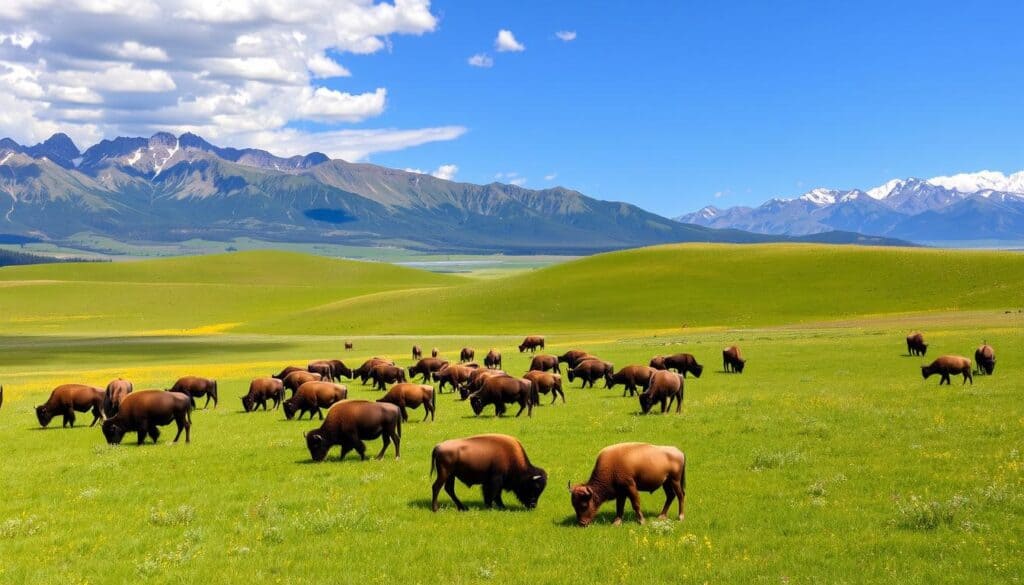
[511,177]
[118,77]
[506,42]
[328,105]
[446,172]
[566,35]
[518,181]
[23,40]
[551,177]
[481,60]
[134,51]
[75,94]
[322,66]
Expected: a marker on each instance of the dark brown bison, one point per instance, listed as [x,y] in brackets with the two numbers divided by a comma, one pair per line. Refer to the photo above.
[339,369]
[114,394]
[350,422]
[363,371]
[426,368]
[467,354]
[260,391]
[493,360]
[732,360]
[496,462]
[632,377]
[543,363]
[197,387]
[681,362]
[433,352]
[417,352]
[312,396]
[384,374]
[143,412]
[284,373]
[532,343]
[946,365]
[349,345]
[66,399]
[572,357]
[916,344]
[411,396]
[455,374]
[985,357]
[476,381]
[502,390]
[545,382]
[295,379]
[322,367]
[591,370]
[623,471]
[663,387]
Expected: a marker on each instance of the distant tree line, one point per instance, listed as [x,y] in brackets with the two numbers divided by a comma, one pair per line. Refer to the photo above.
[13,258]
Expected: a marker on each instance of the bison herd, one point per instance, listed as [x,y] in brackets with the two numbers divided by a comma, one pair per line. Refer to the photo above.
[951,365]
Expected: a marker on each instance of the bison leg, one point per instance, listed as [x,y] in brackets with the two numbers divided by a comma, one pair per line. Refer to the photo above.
[679,402]
[442,477]
[181,426]
[677,486]
[449,488]
[634,498]
[405,413]
[360,448]
[522,407]
[670,495]
[319,413]
[497,486]
[620,509]
[967,376]
[142,436]
[427,411]
[154,433]
[97,414]
[69,417]
[945,378]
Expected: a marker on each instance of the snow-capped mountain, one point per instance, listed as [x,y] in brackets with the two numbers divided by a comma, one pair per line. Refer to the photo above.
[967,206]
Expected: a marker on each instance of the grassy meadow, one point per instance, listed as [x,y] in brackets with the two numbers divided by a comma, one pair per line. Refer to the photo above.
[828,460]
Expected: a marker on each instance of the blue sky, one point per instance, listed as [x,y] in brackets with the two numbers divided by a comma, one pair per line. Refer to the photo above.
[668,105]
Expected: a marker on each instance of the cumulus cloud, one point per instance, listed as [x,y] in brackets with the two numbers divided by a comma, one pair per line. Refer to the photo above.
[481,60]
[446,172]
[566,35]
[506,42]
[551,177]
[242,72]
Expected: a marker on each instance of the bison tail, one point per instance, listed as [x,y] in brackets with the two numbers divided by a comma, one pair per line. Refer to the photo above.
[433,399]
[399,426]
[433,461]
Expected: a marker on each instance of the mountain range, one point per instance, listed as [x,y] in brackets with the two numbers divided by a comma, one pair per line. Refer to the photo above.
[971,206]
[168,188]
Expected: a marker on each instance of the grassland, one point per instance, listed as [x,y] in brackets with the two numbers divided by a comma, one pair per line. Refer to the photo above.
[828,460]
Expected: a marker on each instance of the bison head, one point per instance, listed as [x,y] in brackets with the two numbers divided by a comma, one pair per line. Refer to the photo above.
[248,402]
[572,375]
[529,490]
[113,431]
[658,363]
[44,415]
[739,365]
[925,372]
[585,503]
[290,408]
[697,370]
[477,403]
[412,370]
[317,445]
[645,402]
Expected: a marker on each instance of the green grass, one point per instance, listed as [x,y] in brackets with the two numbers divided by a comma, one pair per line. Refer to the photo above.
[828,460]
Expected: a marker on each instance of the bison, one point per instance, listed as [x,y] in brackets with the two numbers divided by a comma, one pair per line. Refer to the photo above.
[502,390]
[350,422]
[572,357]
[532,343]
[623,471]
[681,362]
[295,379]
[113,395]
[363,371]
[496,462]
[632,377]
[946,365]
[417,352]
[476,381]
[433,352]
[411,396]
[456,375]
[985,357]
[732,360]
[916,344]
[384,374]
[426,368]
[260,391]
[663,387]
[284,373]
[339,369]
[592,370]
[311,397]
[545,382]
[145,411]
[68,398]
[467,354]
[197,387]
[493,360]
[543,363]
[322,367]
[349,345]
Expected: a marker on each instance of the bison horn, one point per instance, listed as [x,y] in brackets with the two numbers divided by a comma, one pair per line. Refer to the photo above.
[537,476]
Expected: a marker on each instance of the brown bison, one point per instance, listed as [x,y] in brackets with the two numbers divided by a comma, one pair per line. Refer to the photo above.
[681,362]
[476,381]
[456,375]
[663,387]
[467,354]
[493,360]
[143,412]
[339,369]
[592,370]
[260,391]
[496,462]
[68,398]
[732,360]
[502,390]
[433,352]
[985,357]
[916,344]
[350,422]
[384,374]
[114,394]
[426,368]
[312,396]
[284,373]
[197,387]
[532,343]
[545,382]
[417,352]
[623,471]
[572,357]
[632,377]
[411,396]
[322,367]
[363,371]
[349,345]
[295,379]
[946,365]
[543,363]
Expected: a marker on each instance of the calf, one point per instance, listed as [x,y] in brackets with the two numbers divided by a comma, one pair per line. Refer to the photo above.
[383,374]
[196,387]
[632,377]
[493,360]
[543,363]
[456,375]
[663,387]
[591,370]
[544,382]
[916,344]
[66,399]
[467,354]
[947,365]
[426,368]
[411,396]
[311,397]
[417,353]
[732,360]
[496,462]
[260,391]
[532,343]
[350,422]
[144,411]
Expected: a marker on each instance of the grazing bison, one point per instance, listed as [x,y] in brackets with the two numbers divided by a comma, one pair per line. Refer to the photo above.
[411,396]
[295,379]
[545,382]
[663,388]
[623,471]
[145,411]
[426,368]
[681,362]
[322,367]
[455,374]
[339,369]
[384,374]
[68,398]
[493,360]
[592,370]
[532,343]
[916,344]
[946,365]
[311,397]
[476,381]
[543,363]
[985,357]
[349,345]
[467,354]
[350,422]
[732,360]
[496,462]
[114,394]
[197,387]
[417,352]
[260,391]
[502,390]
[433,352]
[284,373]
[363,371]
[573,357]
[632,377]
